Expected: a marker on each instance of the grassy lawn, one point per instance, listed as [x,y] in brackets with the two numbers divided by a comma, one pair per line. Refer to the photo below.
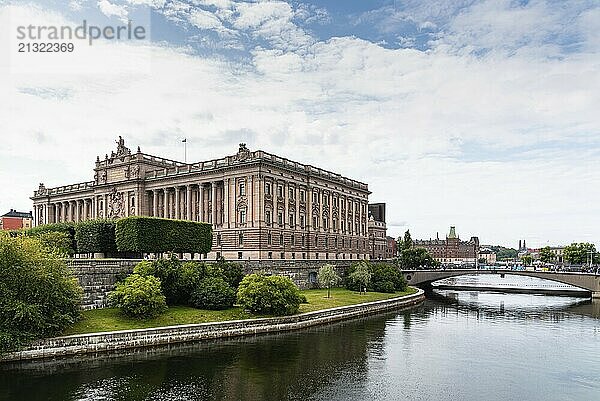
[110,319]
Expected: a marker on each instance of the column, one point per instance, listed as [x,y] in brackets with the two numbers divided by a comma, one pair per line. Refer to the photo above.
[226,210]
[177,203]
[85,209]
[250,216]
[286,205]
[201,203]
[188,202]
[154,202]
[105,206]
[214,203]
[127,203]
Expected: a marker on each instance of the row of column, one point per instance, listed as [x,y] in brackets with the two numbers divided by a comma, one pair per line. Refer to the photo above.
[198,202]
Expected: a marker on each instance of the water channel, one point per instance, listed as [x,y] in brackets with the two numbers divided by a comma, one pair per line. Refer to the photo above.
[464,345]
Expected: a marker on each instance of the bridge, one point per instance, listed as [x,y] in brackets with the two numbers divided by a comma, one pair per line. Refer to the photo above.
[587,281]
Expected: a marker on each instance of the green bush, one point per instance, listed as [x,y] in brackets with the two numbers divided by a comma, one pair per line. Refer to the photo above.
[178,280]
[96,236]
[151,234]
[139,297]
[384,277]
[56,242]
[274,295]
[66,228]
[231,272]
[39,297]
[213,293]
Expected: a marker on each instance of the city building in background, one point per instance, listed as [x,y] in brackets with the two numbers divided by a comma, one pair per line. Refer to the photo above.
[261,206]
[14,220]
[488,255]
[451,250]
[377,229]
[392,248]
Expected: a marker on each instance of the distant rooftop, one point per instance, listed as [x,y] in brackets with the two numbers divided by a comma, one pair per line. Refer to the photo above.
[22,215]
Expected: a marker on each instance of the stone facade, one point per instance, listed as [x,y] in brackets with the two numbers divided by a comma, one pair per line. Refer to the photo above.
[378,245]
[128,339]
[452,250]
[261,206]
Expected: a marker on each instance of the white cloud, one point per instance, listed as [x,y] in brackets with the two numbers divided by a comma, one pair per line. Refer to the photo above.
[206,20]
[112,10]
[502,147]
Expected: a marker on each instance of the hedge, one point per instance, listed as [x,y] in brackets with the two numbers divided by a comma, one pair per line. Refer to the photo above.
[96,236]
[152,234]
[67,228]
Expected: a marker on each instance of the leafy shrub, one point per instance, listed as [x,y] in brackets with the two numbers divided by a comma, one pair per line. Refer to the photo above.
[96,236]
[66,228]
[232,273]
[274,295]
[383,277]
[56,242]
[213,293]
[39,297]
[178,280]
[151,234]
[386,277]
[139,297]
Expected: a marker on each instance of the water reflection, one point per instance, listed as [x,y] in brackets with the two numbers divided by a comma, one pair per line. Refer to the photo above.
[457,345]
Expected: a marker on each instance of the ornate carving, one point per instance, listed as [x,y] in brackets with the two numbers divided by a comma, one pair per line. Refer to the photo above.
[103,177]
[135,171]
[122,150]
[116,204]
[126,172]
[242,202]
[42,189]
[41,215]
[242,154]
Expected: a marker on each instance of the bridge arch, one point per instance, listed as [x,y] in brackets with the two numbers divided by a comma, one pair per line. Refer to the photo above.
[588,282]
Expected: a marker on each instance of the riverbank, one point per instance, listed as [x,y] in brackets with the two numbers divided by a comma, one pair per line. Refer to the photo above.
[110,319]
[147,337]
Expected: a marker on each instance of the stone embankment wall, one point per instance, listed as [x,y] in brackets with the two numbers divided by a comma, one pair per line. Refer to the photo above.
[98,277]
[127,339]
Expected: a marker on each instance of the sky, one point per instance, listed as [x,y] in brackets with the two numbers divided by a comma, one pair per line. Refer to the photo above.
[484,115]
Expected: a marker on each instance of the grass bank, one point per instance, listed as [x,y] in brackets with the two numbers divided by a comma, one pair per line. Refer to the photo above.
[110,319]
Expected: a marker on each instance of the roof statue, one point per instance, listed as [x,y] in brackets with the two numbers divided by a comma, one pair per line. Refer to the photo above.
[452,232]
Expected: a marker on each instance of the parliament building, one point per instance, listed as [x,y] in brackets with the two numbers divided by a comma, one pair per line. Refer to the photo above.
[261,206]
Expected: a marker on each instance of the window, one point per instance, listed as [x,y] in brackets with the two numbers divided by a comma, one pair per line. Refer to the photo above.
[242,216]
[335,224]
[315,197]
[303,255]
[270,255]
[218,255]
[315,222]
[303,195]
[335,242]
[241,239]
[293,255]
[268,217]
[239,255]
[242,187]
[302,221]
[269,239]
[325,223]
[316,240]
[325,199]
[267,188]
[291,193]
[292,240]
[280,239]
[291,220]
[218,239]
[317,255]
[326,242]
[280,191]
[282,255]
[280,218]
[303,243]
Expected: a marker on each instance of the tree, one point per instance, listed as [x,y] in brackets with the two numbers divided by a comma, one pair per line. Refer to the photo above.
[139,297]
[361,275]
[39,297]
[526,259]
[546,255]
[276,295]
[415,258]
[327,277]
[407,243]
[579,253]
